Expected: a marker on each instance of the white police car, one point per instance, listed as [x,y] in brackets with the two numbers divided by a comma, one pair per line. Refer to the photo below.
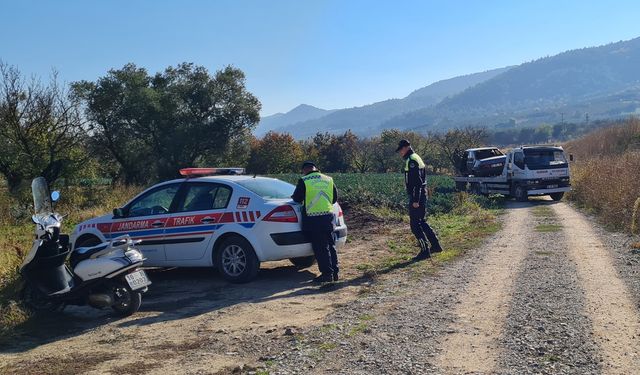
[213,217]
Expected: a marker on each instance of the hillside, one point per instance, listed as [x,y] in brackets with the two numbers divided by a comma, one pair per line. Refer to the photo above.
[301,113]
[367,118]
[603,82]
[597,82]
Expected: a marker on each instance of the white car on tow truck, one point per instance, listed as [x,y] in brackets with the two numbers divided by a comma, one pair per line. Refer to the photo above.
[528,171]
[214,217]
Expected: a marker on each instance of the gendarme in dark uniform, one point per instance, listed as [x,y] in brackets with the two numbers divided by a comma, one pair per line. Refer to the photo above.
[415,178]
[317,193]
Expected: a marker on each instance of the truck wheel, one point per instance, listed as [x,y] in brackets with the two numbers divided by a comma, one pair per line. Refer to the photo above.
[557,196]
[236,260]
[303,262]
[520,194]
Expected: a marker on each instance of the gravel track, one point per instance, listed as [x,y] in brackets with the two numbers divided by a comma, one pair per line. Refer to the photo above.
[483,308]
[527,302]
[547,331]
[562,301]
[609,304]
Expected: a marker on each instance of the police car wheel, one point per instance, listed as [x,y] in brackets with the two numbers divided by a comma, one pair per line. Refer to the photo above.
[303,262]
[236,260]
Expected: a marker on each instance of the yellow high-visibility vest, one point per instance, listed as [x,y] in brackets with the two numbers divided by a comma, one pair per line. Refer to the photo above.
[318,194]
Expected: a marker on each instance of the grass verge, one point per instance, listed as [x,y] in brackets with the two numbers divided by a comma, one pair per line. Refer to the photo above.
[546,228]
[459,231]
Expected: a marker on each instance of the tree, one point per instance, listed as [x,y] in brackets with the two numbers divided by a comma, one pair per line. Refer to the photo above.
[453,143]
[341,152]
[275,153]
[153,126]
[41,129]
[236,154]
[363,155]
[332,153]
[384,155]
[121,107]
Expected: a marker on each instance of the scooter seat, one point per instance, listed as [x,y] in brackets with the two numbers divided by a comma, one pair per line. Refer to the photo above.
[84,253]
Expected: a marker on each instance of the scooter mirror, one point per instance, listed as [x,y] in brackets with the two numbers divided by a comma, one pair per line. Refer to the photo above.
[34,218]
[55,195]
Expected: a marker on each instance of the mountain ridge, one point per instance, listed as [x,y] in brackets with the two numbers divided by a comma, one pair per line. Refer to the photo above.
[372,115]
[600,82]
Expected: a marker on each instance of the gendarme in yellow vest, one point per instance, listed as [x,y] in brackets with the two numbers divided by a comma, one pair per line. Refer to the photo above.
[318,198]
[415,157]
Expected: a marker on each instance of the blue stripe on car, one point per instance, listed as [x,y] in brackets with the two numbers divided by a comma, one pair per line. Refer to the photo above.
[186,230]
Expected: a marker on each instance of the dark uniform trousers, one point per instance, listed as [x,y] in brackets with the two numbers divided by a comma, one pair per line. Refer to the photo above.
[419,225]
[319,230]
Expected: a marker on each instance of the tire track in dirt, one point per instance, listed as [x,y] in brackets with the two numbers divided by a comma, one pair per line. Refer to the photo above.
[547,331]
[615,319]
[473,345]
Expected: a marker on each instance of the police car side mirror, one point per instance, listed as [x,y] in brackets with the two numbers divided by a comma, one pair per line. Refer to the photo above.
[570,157]
[118,212]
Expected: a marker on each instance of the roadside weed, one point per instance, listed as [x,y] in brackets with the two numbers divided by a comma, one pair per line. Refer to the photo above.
[545,228]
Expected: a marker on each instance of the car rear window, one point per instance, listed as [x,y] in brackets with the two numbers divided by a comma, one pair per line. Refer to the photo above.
[268,188]
[483,154]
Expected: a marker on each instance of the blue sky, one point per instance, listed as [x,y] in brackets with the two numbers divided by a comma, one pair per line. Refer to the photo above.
[331,54]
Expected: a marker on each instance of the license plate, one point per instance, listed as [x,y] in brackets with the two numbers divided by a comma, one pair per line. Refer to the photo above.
[552,186]
[137,280]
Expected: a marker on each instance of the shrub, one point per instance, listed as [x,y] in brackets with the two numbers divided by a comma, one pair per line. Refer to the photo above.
[605,174]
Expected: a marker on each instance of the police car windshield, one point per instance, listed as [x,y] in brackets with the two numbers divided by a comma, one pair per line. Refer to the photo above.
[268,188]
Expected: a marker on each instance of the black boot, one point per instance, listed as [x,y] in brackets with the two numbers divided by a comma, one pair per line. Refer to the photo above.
[424,252]
[324,278]
[422,255]
[436,249]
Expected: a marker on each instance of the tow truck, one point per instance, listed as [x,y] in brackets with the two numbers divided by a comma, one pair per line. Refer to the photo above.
[528,171]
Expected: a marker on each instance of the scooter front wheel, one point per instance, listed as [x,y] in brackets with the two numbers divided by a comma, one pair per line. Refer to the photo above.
[126,301]
[37,301]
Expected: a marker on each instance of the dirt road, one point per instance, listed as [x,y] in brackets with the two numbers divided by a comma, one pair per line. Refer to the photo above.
[550,293]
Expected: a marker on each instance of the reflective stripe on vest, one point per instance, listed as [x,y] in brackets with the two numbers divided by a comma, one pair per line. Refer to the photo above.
[415,157]
[318,198]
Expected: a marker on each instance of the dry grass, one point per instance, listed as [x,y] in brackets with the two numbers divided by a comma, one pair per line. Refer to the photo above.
[606,174]
[545,228]
[16,231]
[68,364]
[608,141]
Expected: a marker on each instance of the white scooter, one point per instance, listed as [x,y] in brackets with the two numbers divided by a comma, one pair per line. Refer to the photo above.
[106,275]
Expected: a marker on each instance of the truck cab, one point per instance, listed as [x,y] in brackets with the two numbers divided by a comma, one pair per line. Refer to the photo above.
[538,170]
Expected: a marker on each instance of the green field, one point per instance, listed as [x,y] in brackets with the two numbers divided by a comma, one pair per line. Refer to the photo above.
[386,190]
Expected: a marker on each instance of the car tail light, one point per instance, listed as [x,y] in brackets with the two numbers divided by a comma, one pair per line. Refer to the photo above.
[282,214]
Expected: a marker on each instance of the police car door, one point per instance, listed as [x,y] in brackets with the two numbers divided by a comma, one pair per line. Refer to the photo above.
[144,218]
[190,229]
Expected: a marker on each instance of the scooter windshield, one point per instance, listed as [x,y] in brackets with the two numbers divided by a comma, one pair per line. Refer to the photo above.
[41,197]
